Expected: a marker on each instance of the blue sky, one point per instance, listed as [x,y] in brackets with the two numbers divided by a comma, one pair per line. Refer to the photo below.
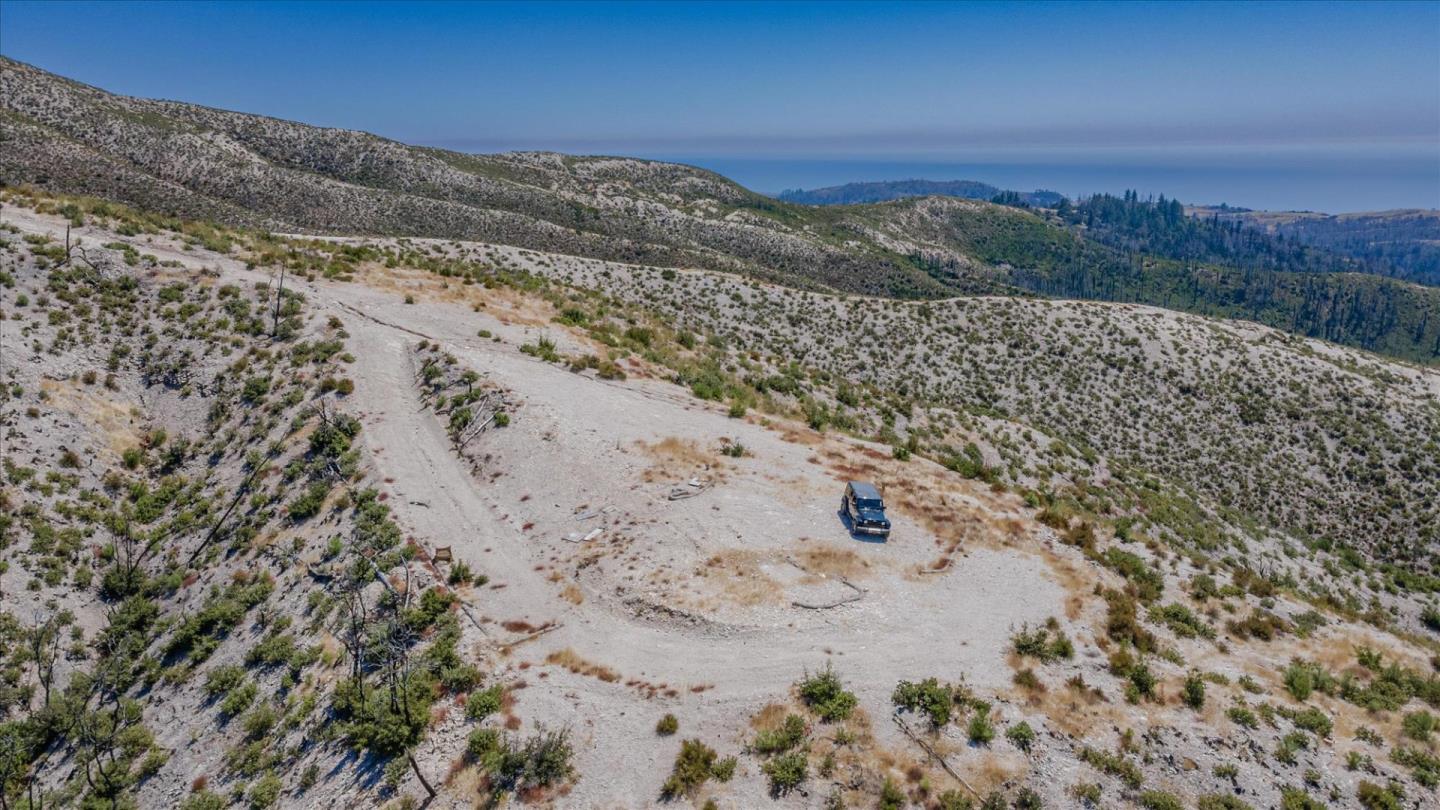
[1075,84]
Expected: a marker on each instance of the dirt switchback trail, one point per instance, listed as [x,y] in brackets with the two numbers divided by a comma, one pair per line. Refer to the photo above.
[570,443]
[684,606]
[949,625]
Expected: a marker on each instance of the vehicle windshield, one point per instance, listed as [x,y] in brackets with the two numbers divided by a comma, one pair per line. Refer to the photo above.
[869,503]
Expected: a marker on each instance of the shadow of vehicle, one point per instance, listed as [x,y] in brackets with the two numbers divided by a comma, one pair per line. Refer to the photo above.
[860,536]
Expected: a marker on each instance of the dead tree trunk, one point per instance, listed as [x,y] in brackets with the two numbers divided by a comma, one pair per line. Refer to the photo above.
[279,297]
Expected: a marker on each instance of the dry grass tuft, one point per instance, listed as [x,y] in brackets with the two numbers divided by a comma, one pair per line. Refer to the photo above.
[571,660]
[739,577]
[832,560]
[114,419]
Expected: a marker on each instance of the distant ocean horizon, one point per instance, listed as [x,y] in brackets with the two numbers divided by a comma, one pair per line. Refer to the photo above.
[1331,185]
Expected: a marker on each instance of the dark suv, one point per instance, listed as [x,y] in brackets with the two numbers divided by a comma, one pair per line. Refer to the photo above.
[865,509]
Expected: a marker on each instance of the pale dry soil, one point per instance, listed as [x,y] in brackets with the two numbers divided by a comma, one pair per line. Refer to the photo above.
[689,606]
[683,606]
[684,595]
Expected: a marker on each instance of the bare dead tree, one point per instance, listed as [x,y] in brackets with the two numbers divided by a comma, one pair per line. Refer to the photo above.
[240,493]
[400,640]
[44,644]
[75,250]
[415,766]
[279,296]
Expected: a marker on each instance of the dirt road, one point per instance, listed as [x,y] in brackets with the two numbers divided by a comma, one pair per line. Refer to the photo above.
[688,602]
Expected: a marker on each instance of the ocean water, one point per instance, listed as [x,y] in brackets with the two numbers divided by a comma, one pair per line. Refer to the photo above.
[1331,183]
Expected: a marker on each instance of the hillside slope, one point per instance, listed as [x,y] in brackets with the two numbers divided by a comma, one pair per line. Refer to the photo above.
[1138,555]
[243,169]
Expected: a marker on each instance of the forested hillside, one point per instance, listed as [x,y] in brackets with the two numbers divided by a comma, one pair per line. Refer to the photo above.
[1161,227]
[1403,243]
[1131,255]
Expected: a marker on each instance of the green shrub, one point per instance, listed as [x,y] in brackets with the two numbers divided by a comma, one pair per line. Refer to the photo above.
[395,772]
[272,650]
[1122,621]
[1419,725]
[259,721]
[1113,765]
[1160,800]
[204,800]
[1430,617]
[1142,682]
[255,389]
[264,792]
[1304,677]
[1293,798]
[1046,644]
[1373,797]
[1202,587]
[980,731]
[481,742]
[1022,736]
[460,574]
[480,705]
[238,700]
[1181,621]
[371,719]
[694,765]
[891,796]
[790,734]
[1261,625]
[221,680]
[308,504]
[200,633]
[1242,716]
[786,772]
[1424,766]
[1310,719]
[826,696]
[1289,744]
[1193,691]
[668,725]
[929,696]
[1147,582]
[542,760]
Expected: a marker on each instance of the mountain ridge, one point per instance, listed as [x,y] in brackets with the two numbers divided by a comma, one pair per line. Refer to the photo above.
[885,190]
[205,163]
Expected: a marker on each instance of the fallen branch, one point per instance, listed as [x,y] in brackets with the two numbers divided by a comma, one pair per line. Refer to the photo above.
[418,775]
[531,637]
[240,493]
[367,316]
[465,608]
[855,597]
[949,561]
[905,727]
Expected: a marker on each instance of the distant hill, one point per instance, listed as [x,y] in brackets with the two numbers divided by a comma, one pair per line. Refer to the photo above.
[1403,243]
[202,163]
[852,193]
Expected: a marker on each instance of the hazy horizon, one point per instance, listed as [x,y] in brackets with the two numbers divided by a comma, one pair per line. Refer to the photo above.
[1321,106]
[1334,187]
